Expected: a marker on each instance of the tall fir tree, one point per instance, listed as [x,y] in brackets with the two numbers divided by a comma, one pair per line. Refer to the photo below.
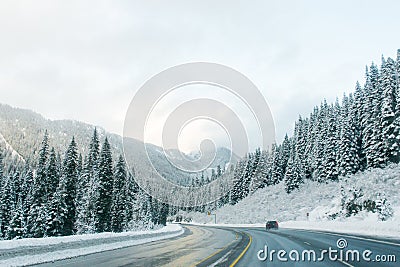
[375,152]
[6,205]
[396,130]
[388,83]
[293,177]
[58,212]
[27,195]
[131,191]
[68,186]
[119,197]
[88,192]
[16,228]
[357,110]
[331,144]
[1,169]
[53,174]
[348,162]
[319,171]
[37,217]
[104,201]
[236,194]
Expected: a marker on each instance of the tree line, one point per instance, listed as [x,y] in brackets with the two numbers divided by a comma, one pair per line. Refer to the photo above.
[360,132]
[73,195]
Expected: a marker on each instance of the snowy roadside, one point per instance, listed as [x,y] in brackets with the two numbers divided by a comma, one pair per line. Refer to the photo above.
[320,206]
[369,227]
[390,229]
[39,250]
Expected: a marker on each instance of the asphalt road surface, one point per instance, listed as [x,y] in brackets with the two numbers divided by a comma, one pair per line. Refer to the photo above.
[217,246]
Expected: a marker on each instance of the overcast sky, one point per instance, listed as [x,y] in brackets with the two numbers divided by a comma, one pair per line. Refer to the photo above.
[84,60]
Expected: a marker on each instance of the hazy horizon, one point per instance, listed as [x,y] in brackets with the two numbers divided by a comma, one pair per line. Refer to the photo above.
[88,66]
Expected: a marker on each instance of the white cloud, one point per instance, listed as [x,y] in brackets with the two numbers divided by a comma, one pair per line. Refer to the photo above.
[85,59]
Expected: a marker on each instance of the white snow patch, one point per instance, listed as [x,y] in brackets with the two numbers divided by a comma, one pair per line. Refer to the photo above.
[369,227]
[140,237]
[322,203]
[14,153]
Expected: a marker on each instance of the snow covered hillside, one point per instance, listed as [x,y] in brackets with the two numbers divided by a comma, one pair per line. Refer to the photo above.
[10,152]
[370,196]
[21,132]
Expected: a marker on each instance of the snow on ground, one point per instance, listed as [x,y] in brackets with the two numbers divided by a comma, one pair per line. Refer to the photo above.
[369,227]
[321,201]
[39,250]
[14,153]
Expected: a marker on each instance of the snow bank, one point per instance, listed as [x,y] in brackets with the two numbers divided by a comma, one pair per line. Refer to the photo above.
[322,202]
[366,227]
[39,250]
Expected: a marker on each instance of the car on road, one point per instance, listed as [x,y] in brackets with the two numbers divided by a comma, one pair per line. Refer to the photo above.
[271,225]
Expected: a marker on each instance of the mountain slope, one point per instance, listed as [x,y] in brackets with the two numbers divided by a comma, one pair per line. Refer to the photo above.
[322,201]
[21,133]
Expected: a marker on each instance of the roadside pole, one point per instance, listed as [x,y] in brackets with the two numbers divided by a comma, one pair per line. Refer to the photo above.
[215,216]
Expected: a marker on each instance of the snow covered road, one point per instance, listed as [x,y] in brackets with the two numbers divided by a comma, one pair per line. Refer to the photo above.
[204,246]
[240,246]
[39,250]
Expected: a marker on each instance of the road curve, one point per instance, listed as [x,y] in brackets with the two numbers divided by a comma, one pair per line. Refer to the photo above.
[303,240]
[198,246]
[240,247]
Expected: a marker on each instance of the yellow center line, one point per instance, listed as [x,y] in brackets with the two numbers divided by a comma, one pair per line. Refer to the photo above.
[215,253]
[243,252]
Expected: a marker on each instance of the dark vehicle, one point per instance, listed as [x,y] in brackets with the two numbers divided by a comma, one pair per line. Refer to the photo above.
[271,225]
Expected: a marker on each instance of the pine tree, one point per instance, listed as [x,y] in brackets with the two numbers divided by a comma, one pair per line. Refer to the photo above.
[293,176]
[263,170]
[283,157]
[53,175]
[383,208]
[26,196]
[16,227]
[6,205]
[300,143]
[247,176]
[103,205]
[389,86]
[119,197]
[375,151]
[1,169]
[396,130]
[359,100]
[237,182]
[163,210]
[348,157]
[330,146]
[58,213]
[88,192]
[68,187]
[398,62]
[256,178]
[82,196]
[40,184]
[132,206]
[36,221]
[310,149]
[320,143]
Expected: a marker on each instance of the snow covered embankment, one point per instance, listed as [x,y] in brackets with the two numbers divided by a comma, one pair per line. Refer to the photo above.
[323,202]
[367,227]
[39,250]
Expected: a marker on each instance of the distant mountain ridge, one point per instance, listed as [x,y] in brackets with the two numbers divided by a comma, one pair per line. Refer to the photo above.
[22,130]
